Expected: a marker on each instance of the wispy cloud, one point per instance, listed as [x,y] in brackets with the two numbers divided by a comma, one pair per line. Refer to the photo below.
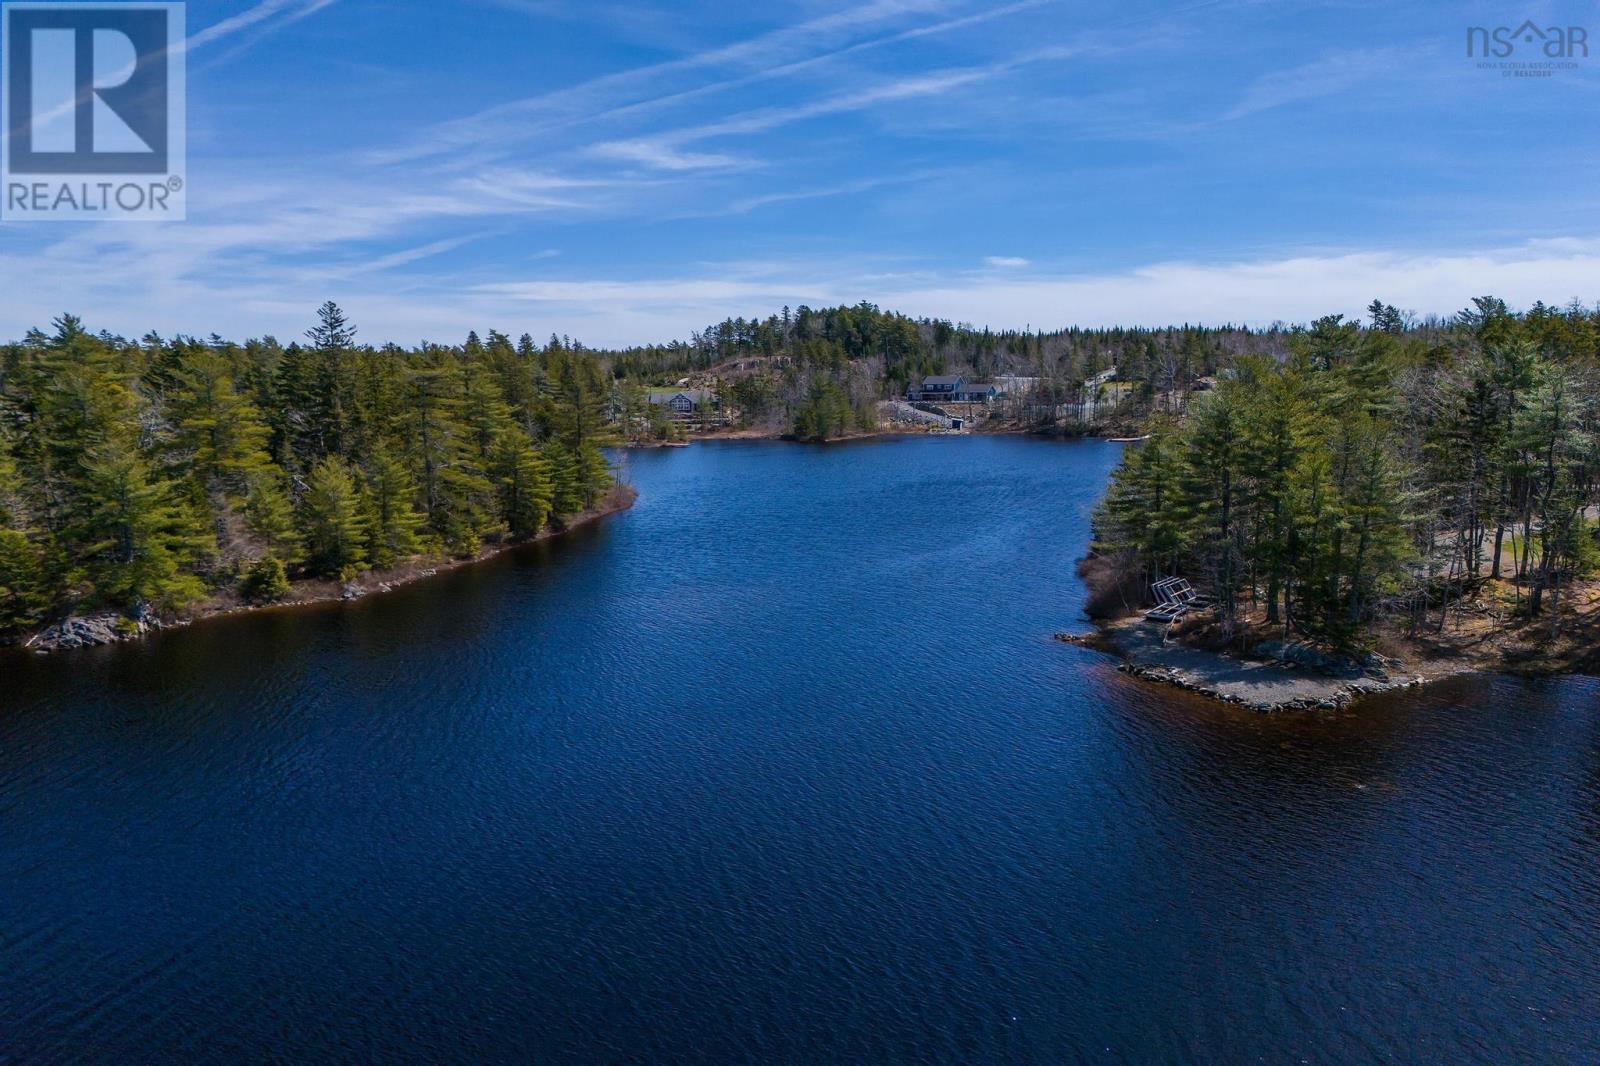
[625,310]
[1329,75]
[292,10]
[848,188]
[954,125]
[763,50]
[664,157]
[763,120]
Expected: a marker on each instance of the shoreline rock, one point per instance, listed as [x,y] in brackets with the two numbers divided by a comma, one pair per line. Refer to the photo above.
[88,631]
[1271,685]
[1334,700]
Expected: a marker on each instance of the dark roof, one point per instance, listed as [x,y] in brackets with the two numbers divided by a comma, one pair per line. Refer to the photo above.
[942,379]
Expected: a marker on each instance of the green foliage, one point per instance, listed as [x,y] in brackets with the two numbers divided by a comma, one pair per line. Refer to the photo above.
[333,518]
[392,520]
[23,592]
[1366,474]
[826,412]
[220,436]
[523,481]
[153,472]
[566,483]
[136,541]
[266,581]
[269,515]
[594,473]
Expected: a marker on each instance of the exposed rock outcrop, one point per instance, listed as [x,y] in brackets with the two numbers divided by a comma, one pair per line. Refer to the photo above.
[94,630]
[1285,677]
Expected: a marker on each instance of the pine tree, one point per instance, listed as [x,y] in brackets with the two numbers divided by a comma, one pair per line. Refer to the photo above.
[484,412]
[220,430]
[565,479]
[297,436]
[134,539]
[524,483]
[332,520]
[594,473]
[269,516]
[266,581]
[24,593]
[457,496]
[1214,496]
[392,518]
[335,409]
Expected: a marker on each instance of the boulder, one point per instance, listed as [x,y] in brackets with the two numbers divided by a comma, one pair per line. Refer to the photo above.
[76,632]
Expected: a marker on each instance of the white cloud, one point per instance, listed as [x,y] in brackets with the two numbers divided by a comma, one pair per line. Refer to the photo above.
[1006,261]
[616,311]
[293,10]
[1292,288]
[493,125]
[917,86]
[1330,75]
[663,157]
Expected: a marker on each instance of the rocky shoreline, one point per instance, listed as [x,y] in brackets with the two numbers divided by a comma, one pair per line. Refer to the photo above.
[1288,680]
[87,631]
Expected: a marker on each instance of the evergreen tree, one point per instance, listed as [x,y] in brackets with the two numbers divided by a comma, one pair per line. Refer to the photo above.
[135,540]
[269,516]
[331,516]
[594,473]
[392,518]
[524,483]
[566,481]
[219,431]
[24,594]
[266,581]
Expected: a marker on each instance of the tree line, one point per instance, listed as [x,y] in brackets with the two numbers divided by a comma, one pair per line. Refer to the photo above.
[1377,470]
[820,372]
[145,476]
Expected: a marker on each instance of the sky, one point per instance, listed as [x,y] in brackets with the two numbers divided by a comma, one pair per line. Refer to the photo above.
[626,173]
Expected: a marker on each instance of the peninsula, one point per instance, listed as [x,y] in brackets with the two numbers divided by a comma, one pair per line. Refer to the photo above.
[1377,503]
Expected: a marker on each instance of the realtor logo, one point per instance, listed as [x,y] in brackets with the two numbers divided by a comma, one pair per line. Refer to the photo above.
[93,103]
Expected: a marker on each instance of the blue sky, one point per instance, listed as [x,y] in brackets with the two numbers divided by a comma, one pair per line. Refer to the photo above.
[625,172]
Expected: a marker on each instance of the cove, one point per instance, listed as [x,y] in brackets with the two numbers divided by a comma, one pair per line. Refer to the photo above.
[782,765]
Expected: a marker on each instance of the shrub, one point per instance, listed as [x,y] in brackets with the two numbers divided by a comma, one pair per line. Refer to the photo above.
[266,581]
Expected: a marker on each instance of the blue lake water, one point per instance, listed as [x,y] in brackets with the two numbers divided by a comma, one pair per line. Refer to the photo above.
[782,766]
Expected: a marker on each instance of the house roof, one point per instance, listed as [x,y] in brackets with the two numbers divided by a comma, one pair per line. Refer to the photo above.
[942,379]
[667,395]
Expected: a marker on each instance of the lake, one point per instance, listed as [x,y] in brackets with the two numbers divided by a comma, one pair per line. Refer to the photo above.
[782,766]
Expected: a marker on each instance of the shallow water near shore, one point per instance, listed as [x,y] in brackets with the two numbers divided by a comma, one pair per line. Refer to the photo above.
[782,765]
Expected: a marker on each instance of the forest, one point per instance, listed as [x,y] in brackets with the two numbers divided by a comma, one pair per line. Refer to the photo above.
[145,476]
[1377,472]
[1319,479]
[819,373]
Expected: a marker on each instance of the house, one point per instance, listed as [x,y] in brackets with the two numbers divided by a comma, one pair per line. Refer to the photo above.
[937,389]
[683,403]
[977,392]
